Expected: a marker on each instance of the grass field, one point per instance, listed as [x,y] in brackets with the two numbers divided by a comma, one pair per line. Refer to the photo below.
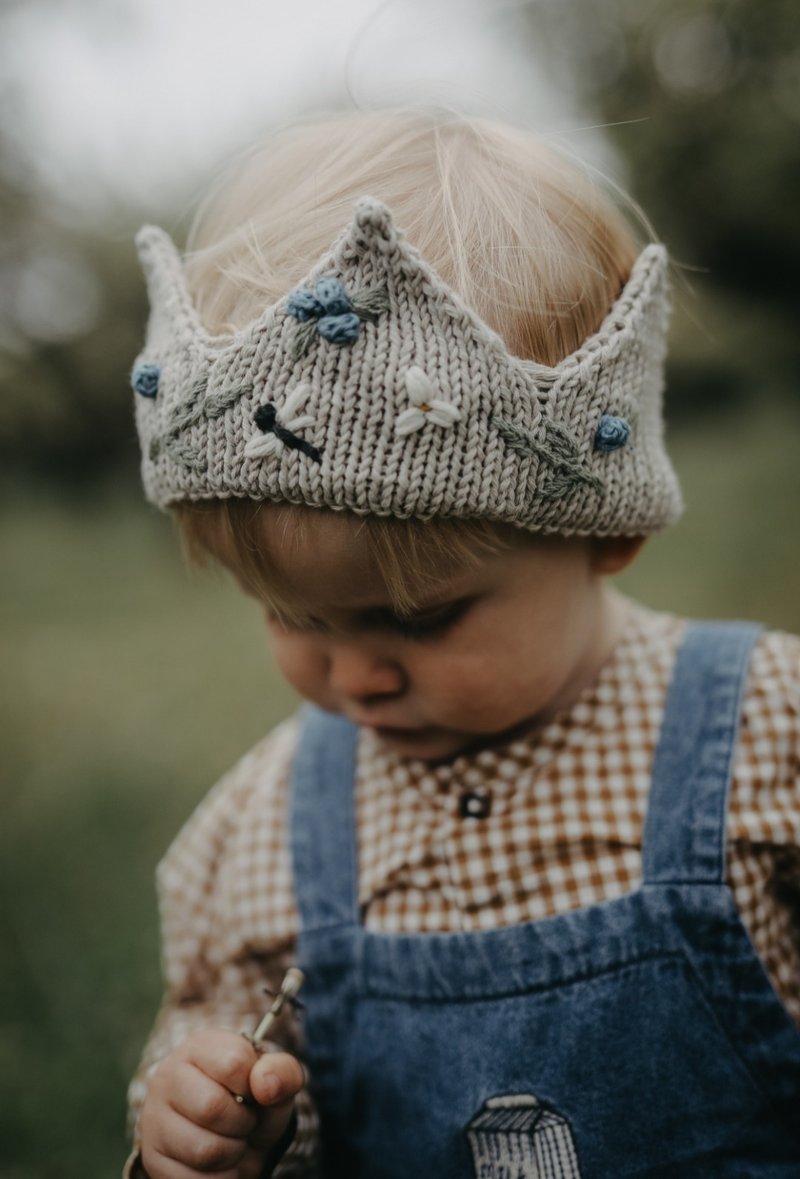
[128,689]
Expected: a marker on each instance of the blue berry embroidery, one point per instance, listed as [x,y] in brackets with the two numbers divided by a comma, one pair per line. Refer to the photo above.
[340,329]
[145,379]
[303,306]
[612,433]
[333,297]
[329,311]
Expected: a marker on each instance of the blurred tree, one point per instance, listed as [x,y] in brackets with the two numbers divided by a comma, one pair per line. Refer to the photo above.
[73,310]
[703,99]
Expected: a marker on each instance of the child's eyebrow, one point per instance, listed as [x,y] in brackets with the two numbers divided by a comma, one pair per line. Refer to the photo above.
[378,611]
[429,606]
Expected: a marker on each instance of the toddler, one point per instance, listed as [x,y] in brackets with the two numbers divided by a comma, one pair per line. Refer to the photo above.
[533,846]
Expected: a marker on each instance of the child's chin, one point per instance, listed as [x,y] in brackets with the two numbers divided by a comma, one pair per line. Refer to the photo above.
[424,744]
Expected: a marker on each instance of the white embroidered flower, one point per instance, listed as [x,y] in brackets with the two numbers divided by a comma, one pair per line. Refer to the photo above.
[425,406]
[261,445]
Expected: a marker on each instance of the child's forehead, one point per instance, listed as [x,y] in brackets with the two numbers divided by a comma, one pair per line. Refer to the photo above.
[323,553]
[319,557]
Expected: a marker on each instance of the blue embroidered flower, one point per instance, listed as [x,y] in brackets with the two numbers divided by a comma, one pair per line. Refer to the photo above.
[302,305]
[333,296]
[612,433]
[340,329]
[145,379]
[329,305]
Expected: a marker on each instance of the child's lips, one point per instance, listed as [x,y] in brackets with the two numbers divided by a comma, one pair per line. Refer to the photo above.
[392,731]
[385,730]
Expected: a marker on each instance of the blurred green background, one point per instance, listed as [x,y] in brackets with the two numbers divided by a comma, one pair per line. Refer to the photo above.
[129,686]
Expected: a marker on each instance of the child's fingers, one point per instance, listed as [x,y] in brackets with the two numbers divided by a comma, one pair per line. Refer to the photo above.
[275,1078]
[223,1056]
[207,1103]
[170,1168]
[196,1148]
[272,1126]
[166,1168]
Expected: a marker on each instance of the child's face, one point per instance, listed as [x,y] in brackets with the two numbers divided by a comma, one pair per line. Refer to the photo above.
[496,649]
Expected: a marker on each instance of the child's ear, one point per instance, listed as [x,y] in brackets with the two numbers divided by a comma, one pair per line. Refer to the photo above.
[612,554]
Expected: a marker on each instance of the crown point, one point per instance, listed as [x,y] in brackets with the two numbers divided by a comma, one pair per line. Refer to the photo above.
[373,214]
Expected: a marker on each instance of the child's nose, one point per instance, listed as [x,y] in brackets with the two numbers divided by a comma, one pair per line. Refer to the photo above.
[358,674]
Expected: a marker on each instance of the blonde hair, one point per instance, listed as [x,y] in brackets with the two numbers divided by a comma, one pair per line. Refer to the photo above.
[413,558]
[525,237]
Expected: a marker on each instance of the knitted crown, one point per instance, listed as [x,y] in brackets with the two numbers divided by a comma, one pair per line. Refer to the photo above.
[373,387]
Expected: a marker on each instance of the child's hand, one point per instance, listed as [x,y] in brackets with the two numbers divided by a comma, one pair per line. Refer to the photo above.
[191,1123]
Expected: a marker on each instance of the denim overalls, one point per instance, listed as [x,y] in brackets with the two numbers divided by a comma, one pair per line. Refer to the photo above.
[638,1037]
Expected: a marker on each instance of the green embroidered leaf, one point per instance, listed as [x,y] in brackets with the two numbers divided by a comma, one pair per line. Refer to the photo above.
[368,304]
[187,456]
[515,438]
[302,339]
[216,404]
[559,450]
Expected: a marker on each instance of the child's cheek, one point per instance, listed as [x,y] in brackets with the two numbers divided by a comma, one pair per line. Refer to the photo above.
[300,666]
[486,689]
[465,685]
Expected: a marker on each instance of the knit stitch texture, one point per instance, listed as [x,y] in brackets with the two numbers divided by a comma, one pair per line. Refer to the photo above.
[413,407]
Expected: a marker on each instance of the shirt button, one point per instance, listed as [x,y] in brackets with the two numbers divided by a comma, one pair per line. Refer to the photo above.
[474,806]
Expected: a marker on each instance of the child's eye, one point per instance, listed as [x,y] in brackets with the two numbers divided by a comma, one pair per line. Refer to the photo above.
[429,623]
[308,625]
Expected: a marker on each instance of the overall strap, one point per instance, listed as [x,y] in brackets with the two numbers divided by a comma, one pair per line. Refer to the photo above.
[684,834]
[322,821]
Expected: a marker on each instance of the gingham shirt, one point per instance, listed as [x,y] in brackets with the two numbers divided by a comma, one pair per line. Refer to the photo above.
[562,829]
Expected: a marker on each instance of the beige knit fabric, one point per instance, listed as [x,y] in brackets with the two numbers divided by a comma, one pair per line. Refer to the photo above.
[424,412]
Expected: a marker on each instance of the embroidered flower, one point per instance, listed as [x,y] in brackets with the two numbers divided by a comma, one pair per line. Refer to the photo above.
[329,311]
[280,426]
[331,294]
[612,433]
[425,406]
[302,305]
[329,305]
[340,329]
[145,379]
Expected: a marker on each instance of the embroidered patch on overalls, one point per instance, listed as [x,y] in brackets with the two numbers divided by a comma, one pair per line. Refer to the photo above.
[516,1137]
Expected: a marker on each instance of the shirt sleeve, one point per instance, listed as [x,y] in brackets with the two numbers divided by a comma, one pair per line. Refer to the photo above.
[228,927]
